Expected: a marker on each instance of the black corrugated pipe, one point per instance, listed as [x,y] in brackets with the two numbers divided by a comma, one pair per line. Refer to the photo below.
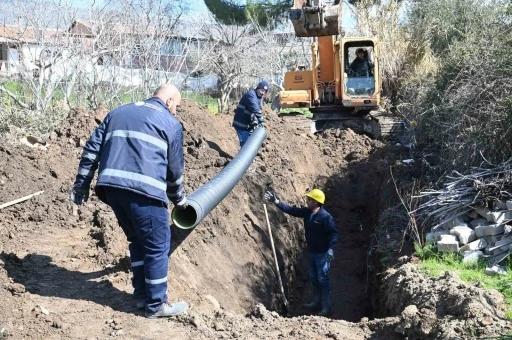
[204,199]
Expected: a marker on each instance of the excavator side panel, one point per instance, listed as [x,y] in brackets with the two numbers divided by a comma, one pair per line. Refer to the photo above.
[298,80]
[298,86]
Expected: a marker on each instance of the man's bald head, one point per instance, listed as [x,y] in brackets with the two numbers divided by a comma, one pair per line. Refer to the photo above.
[170,95]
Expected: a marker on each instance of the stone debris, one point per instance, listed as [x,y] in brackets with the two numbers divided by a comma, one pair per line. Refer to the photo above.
[464,234]
[448,244]
[489,237]
[472,256]
[495,270]
[476,207]
[475,245]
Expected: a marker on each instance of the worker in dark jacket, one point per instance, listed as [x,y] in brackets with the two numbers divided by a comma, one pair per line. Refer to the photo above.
[321,239]
[248,113]
[139,151]
[361,65]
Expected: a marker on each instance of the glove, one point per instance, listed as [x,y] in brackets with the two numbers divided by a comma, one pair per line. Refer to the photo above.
[79,196]
[271,197]
[330,255]
[183,204]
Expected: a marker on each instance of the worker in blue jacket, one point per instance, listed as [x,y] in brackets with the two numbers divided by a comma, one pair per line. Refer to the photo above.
[248,113]
[321,239]
[138,151]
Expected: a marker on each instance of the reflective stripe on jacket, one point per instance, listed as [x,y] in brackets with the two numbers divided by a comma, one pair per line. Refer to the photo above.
[138,147]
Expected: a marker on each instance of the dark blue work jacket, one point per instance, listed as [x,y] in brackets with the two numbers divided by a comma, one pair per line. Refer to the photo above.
[320,228]
[248,112]
[137,147]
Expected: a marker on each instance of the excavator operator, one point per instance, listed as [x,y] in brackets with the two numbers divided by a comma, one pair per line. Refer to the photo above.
[361,65]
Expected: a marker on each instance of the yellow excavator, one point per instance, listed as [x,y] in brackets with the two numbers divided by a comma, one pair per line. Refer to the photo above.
[343,87]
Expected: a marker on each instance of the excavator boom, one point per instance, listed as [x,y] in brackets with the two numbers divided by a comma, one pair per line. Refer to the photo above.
[315,18]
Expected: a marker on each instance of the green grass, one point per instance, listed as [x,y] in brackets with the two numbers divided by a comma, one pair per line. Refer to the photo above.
[205,100]
[435,264]
[305,112]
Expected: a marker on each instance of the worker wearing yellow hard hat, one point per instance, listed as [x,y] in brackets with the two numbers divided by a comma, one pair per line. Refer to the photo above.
[321,239]
[317,195]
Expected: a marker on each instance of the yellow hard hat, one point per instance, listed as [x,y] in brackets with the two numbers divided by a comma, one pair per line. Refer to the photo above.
[317,194]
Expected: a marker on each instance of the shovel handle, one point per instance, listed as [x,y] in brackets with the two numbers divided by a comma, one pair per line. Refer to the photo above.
[275,257]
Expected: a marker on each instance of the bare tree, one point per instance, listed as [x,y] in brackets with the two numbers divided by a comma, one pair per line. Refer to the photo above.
[41,44]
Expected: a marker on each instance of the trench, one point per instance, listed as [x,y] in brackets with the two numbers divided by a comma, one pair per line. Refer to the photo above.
[355,196]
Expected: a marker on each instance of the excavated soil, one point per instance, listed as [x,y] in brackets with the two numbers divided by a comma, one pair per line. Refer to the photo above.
[64,270]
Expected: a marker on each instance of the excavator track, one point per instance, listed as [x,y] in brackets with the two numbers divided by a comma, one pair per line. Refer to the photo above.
[376,124]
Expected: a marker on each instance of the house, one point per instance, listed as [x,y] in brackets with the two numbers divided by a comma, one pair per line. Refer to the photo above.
[21,47]
[133,47]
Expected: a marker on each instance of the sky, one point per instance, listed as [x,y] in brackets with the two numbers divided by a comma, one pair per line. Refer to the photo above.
[197,7]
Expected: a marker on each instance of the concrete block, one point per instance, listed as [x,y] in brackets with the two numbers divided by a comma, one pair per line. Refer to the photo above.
[474,215]
[479,231]
[495,270]
[448,243]
[478,222]
[475,245]
[494,229]
[503,243]
[483,212]
[498,251]
[499,216]
[491,240]
[489,230]
[464,234]
[430,238]
[434,236]
[509,205]
[455,222]
[508,228]
[499,205]
[472,256]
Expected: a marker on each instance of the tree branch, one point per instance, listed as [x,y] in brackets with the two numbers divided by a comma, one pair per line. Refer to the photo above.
[14,97]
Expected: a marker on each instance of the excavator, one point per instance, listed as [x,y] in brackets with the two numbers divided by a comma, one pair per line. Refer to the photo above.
[339,90]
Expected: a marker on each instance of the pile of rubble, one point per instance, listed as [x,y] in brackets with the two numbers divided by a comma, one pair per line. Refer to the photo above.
[472,215]
[480,233]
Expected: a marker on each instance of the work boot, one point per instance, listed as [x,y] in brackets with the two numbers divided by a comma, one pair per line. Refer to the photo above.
[325,312]
[312,305]
[167,310]
[315,304]
[140,304]
[326,304]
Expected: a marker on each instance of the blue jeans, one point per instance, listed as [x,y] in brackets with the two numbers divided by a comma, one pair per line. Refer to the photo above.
[145,222]
[319,277]
[243,135]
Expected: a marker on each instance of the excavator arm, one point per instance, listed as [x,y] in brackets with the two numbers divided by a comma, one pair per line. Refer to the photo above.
[316,18]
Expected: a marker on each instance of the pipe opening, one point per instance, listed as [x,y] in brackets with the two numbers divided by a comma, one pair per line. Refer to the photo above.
[186,218]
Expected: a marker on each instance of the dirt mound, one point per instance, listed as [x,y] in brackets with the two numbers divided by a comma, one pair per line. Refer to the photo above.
[64,269]
[77,128]
[443,307]
[261,323]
